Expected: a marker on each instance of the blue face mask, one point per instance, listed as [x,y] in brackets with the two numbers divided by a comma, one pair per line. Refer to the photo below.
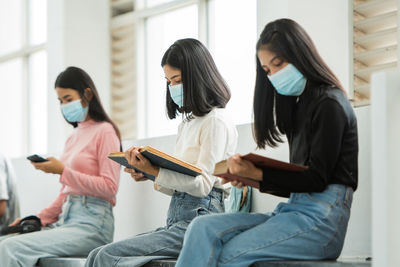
[74,111]
[176,92]
[288,81]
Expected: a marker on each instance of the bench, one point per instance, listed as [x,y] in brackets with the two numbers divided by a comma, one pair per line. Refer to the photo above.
[80,262]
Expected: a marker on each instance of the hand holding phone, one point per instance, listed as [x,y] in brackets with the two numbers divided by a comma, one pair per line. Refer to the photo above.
[36,158]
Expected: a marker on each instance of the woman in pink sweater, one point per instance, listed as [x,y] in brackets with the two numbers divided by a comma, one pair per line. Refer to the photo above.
[80,218]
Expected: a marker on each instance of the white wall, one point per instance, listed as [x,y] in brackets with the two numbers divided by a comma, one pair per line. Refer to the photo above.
[78,35]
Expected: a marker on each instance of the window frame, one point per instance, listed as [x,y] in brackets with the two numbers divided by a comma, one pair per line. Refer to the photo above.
[25,53]
[138,18]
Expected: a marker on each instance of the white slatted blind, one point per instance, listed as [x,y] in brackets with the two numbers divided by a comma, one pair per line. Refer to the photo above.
[375,42]
[123,71]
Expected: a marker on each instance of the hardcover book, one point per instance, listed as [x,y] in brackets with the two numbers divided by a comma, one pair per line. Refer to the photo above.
[160,159]
[221,168]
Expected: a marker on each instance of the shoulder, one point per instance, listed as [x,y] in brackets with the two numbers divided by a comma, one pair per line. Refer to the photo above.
[217,116]
[104,129]
[332,101]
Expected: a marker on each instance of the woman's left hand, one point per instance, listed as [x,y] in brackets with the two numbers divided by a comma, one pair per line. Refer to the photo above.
[139,161]
[53,165]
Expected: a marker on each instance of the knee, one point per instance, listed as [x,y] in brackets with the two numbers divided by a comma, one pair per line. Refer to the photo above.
[200,224]
[93,253]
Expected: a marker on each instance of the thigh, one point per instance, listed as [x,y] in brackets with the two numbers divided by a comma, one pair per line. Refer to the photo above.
[164,242]
[66,240]
[4,237]
[225,226]
[285,236]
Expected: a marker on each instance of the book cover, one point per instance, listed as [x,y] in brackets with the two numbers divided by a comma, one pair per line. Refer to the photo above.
[160,159]
[119,157]
[221,168]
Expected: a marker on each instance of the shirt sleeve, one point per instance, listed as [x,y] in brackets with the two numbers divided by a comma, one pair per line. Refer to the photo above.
[163,190]
[50,214]
[327,128]
[106,183]
[3,181]
[213,142]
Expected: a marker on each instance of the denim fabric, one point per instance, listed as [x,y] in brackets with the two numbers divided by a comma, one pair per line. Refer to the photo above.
[310,226]
[84,224]
[165,242]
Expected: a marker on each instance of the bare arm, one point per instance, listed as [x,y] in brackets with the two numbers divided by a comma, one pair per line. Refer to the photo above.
[3,207]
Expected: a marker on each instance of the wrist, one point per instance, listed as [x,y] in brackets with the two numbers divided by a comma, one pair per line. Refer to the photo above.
[258,174]
[154,171]
[61,170]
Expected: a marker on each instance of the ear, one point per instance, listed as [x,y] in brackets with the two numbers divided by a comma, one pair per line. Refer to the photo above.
[88,94]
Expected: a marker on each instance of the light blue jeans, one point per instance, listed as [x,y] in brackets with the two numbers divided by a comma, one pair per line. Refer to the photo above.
[84,224]
[165,242]
[310,226]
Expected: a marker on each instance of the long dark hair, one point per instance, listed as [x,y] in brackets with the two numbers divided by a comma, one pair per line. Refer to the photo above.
[203,86]
[273,113]
[77,79]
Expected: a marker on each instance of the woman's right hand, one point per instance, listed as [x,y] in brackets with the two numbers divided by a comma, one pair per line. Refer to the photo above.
[17,221]
[243,168]
[137,176]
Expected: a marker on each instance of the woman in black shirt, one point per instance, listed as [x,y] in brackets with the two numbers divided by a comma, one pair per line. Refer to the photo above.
[296,95]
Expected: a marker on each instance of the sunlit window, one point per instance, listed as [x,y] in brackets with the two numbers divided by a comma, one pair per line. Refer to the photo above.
[161,32]
[232,39]
[23,77]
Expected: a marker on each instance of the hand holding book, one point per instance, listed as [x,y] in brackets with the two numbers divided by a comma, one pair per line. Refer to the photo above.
[247,169]
[244,171]
[136,159]
[145,162]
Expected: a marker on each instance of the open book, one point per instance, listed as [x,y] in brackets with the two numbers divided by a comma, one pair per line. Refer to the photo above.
[221,168]
[159,159]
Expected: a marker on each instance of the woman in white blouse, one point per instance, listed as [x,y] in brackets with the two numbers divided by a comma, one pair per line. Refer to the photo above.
[196,91]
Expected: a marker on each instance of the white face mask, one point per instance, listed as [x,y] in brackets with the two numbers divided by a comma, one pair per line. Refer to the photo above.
[176,92]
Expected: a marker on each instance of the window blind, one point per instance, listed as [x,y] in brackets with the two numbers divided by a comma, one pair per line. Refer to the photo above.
[123,69]
[375,42]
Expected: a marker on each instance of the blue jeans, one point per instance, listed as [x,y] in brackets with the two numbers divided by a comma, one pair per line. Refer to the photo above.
[165,242]
[84,224]
[310,226]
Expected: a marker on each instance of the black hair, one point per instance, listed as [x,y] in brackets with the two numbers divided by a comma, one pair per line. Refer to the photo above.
[77,79]
[203,86]
[273,113]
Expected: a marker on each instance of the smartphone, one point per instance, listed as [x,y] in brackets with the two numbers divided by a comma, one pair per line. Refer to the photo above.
[36,158]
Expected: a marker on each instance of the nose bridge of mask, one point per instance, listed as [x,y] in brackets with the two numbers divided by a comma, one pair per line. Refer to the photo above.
[71,104]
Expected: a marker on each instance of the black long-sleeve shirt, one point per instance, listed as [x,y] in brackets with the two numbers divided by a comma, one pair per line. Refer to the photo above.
[325,139]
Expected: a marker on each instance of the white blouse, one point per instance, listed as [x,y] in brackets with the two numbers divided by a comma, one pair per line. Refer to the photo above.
[201,141]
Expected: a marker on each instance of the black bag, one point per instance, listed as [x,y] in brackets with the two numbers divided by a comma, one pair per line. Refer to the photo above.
[26,225]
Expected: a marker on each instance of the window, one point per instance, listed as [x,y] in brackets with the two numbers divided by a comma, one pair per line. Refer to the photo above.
[375,42]
[232,41]
[161,32]
[23,76]
[158,23]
